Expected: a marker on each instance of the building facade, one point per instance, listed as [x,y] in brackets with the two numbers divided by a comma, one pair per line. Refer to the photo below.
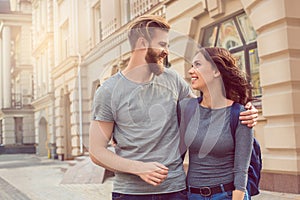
[43,62]
[16,75]
[76,45]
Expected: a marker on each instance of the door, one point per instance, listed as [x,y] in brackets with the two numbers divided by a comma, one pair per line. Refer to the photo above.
[42,145]
[19,130]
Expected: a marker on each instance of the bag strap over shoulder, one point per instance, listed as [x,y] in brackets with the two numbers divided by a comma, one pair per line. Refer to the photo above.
[234,118]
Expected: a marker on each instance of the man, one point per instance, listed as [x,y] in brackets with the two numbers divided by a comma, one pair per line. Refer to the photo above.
[137,107]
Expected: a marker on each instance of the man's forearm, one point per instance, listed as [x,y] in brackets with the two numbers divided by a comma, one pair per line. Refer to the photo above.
[100,135]
[97,162]
[109,160]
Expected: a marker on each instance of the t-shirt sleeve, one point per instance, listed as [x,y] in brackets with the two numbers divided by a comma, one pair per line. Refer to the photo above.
[101,109]
[182,125]
[243,149]
[184,90]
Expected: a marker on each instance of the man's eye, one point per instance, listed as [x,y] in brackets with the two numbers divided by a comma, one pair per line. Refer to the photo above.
[164,45]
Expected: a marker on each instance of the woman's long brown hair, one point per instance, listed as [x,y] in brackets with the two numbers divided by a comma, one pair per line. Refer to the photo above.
[235,82]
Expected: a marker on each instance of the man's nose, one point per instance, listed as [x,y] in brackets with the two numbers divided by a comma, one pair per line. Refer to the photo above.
[165,52]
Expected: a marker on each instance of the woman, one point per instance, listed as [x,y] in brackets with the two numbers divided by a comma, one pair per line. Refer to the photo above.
[217,165]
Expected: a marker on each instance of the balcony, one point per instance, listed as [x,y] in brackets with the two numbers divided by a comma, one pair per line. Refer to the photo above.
[19,100]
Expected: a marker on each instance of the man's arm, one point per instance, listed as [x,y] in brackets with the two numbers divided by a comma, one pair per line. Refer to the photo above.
[100,134]
[249,116]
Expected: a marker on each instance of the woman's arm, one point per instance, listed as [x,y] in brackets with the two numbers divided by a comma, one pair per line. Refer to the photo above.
[243,149]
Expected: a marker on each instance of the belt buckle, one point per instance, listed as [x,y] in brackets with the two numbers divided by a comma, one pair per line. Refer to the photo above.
[205,191]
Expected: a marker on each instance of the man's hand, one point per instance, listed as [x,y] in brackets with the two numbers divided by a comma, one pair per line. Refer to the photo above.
[152,172]
[237,194]
[249,116]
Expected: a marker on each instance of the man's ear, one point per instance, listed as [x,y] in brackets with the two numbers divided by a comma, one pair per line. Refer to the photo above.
[142,43]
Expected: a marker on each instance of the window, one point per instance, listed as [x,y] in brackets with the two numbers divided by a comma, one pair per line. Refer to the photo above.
[228,36]
[64,33]
[43,10]
[125,5]
[96,84]
[96,23]
[1,136]
[238,36]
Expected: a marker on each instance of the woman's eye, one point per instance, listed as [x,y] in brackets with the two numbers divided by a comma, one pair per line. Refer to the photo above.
[197,64]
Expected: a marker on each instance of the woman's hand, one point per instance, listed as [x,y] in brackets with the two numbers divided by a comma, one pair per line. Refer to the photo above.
[152,172]
[250,116]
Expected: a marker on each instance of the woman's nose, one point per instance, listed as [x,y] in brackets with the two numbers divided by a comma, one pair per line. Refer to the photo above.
[191,70]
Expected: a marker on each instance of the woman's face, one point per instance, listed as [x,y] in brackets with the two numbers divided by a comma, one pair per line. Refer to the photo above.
[202,72]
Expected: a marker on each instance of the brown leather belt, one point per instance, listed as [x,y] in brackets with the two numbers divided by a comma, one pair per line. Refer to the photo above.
[208,191]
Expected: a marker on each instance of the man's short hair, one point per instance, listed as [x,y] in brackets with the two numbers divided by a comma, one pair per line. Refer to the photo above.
[144,26]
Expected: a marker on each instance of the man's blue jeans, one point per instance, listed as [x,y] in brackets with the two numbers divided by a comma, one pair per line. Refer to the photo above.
[181,195]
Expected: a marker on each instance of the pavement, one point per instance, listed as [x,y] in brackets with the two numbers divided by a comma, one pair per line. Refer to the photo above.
[30,177]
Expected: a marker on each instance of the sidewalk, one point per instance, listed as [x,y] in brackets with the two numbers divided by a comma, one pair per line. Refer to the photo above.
[29,177]
[39,178]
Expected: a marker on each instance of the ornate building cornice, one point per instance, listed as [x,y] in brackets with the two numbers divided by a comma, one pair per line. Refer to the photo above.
[15,19]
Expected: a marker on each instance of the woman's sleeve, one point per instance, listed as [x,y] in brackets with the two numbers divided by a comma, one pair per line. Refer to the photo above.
[243,149]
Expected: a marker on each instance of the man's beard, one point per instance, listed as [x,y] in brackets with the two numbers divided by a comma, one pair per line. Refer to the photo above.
[154,61]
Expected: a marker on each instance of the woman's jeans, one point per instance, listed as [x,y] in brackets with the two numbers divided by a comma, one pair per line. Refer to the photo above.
[181,195]
[219,196]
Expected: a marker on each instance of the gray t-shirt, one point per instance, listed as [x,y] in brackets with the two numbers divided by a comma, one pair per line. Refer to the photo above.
[145,126]
[213,157]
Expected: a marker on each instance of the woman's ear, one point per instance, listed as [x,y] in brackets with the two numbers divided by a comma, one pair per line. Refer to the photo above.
[216,73]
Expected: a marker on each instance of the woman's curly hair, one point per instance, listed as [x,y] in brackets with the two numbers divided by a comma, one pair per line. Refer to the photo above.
[237,87]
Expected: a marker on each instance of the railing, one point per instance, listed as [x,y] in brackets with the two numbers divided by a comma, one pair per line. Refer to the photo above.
[16,100]
[19,100]
[109,28]
[139,7]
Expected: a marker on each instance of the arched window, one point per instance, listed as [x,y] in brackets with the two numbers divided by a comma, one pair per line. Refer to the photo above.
[238,36]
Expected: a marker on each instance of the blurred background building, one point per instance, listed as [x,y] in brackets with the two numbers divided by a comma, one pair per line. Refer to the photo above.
[16,77]
[55,53]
